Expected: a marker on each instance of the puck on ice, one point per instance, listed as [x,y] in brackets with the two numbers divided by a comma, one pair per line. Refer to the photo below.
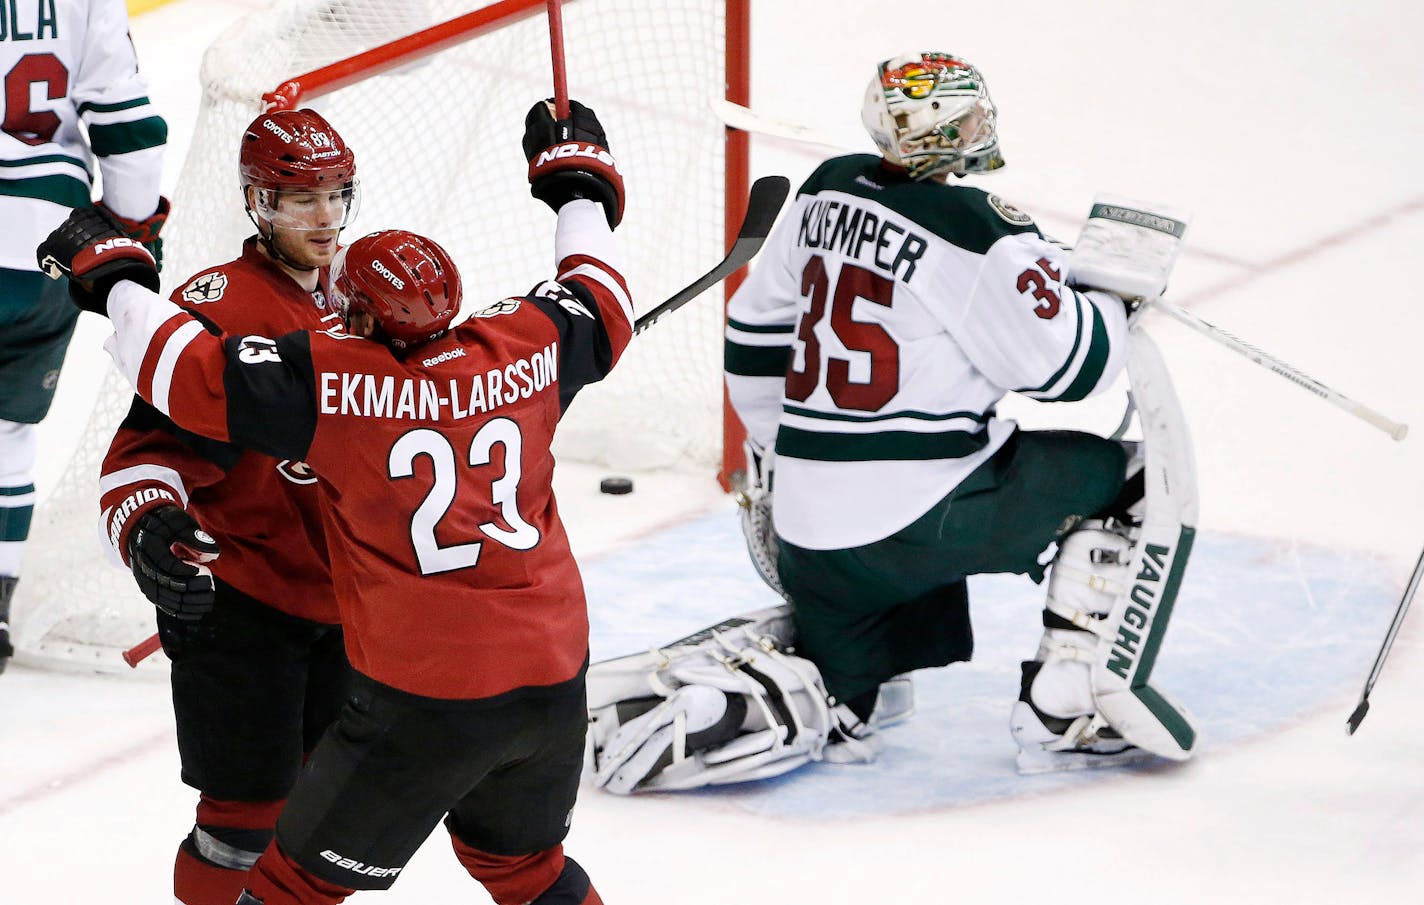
[616,485]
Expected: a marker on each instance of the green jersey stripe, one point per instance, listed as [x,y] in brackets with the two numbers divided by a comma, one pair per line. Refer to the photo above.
[65,190]
[91,107]
[122,138]
[760,328]
[755,361]
[46,158]
[1091,371]
[978,417]
[17,491]
[1072,354]
[882,446]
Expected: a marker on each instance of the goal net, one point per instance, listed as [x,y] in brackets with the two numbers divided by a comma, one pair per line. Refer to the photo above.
[437,143]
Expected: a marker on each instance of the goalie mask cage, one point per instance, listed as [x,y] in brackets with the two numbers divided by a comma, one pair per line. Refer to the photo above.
[431,95]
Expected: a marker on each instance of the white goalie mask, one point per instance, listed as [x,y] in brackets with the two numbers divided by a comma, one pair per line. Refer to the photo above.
[931,113]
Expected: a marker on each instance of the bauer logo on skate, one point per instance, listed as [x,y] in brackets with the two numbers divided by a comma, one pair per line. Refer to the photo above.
[574,149]
[369,396]
[1146,591]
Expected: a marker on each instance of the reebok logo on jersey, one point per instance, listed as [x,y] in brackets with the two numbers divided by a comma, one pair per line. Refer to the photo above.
[359,867]
[443,357]
[575,149]
[385,271]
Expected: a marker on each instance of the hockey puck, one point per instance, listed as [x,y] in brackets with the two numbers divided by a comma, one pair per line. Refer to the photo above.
[616,485]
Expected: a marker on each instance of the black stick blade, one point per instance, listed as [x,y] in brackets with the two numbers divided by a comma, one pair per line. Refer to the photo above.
[763,204]
[1357,717]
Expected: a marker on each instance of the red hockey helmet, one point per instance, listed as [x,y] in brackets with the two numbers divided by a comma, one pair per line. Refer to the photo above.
[295,151]
[405,282]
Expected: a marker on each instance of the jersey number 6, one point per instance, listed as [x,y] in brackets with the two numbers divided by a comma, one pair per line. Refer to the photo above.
[431,557]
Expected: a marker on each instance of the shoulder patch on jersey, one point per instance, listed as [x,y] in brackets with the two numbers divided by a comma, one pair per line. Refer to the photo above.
[207,288]
[506,306]
[1009,212]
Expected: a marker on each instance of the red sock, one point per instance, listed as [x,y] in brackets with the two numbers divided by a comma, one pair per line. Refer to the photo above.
[541,878]
[278,880]
[199,881]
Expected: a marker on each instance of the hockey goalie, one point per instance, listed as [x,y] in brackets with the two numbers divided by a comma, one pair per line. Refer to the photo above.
[891,310]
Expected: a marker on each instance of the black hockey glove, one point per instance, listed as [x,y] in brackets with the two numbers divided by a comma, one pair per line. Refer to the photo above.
[91,249]
[163,550]
[569,159]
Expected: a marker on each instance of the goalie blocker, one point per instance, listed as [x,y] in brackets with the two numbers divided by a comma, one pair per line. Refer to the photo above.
[730,703]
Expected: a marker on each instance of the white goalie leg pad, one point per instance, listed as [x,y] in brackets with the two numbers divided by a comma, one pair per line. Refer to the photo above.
[1128,648]
[1110,597]
[1055,721]
[664,720]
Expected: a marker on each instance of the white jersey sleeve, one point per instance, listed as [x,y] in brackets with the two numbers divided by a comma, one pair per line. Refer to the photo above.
[69,66]
[1026,330]
[761,324]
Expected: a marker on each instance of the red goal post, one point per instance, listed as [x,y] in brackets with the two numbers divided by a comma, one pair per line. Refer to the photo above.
[431,95]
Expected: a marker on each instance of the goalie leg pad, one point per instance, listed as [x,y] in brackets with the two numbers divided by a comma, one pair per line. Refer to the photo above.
[1110,600]
[729,704]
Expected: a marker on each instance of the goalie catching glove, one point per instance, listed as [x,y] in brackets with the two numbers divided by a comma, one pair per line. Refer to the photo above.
[165,551]
[90,248]
[569,158]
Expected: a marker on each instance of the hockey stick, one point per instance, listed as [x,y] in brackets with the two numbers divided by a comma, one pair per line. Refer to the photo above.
[142,650]
[556,54]
[748,120]
[1395,429]
[1363,707]
[763,204]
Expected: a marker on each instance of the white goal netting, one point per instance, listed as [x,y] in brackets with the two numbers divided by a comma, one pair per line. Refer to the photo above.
[437,144]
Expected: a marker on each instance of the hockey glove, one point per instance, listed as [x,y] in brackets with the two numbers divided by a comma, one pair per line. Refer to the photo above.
[164,550]
[91,249]
[569,158]
[145,230]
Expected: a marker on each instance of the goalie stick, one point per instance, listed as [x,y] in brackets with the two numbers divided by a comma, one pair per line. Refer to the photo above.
[1395,429]
[763,204]
[1362,708]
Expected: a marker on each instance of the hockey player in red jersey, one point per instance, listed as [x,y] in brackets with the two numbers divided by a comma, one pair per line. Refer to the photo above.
[464,610]
[258,663]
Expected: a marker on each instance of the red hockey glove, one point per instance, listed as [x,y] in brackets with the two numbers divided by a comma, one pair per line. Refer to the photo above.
[569,159]
[91,249]
[145,230]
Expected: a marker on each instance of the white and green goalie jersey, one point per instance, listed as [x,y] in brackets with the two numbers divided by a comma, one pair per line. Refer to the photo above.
[880,326]
[65,62]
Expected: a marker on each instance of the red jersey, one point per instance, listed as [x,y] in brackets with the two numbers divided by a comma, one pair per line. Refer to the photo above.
[450,562]
[262,511]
